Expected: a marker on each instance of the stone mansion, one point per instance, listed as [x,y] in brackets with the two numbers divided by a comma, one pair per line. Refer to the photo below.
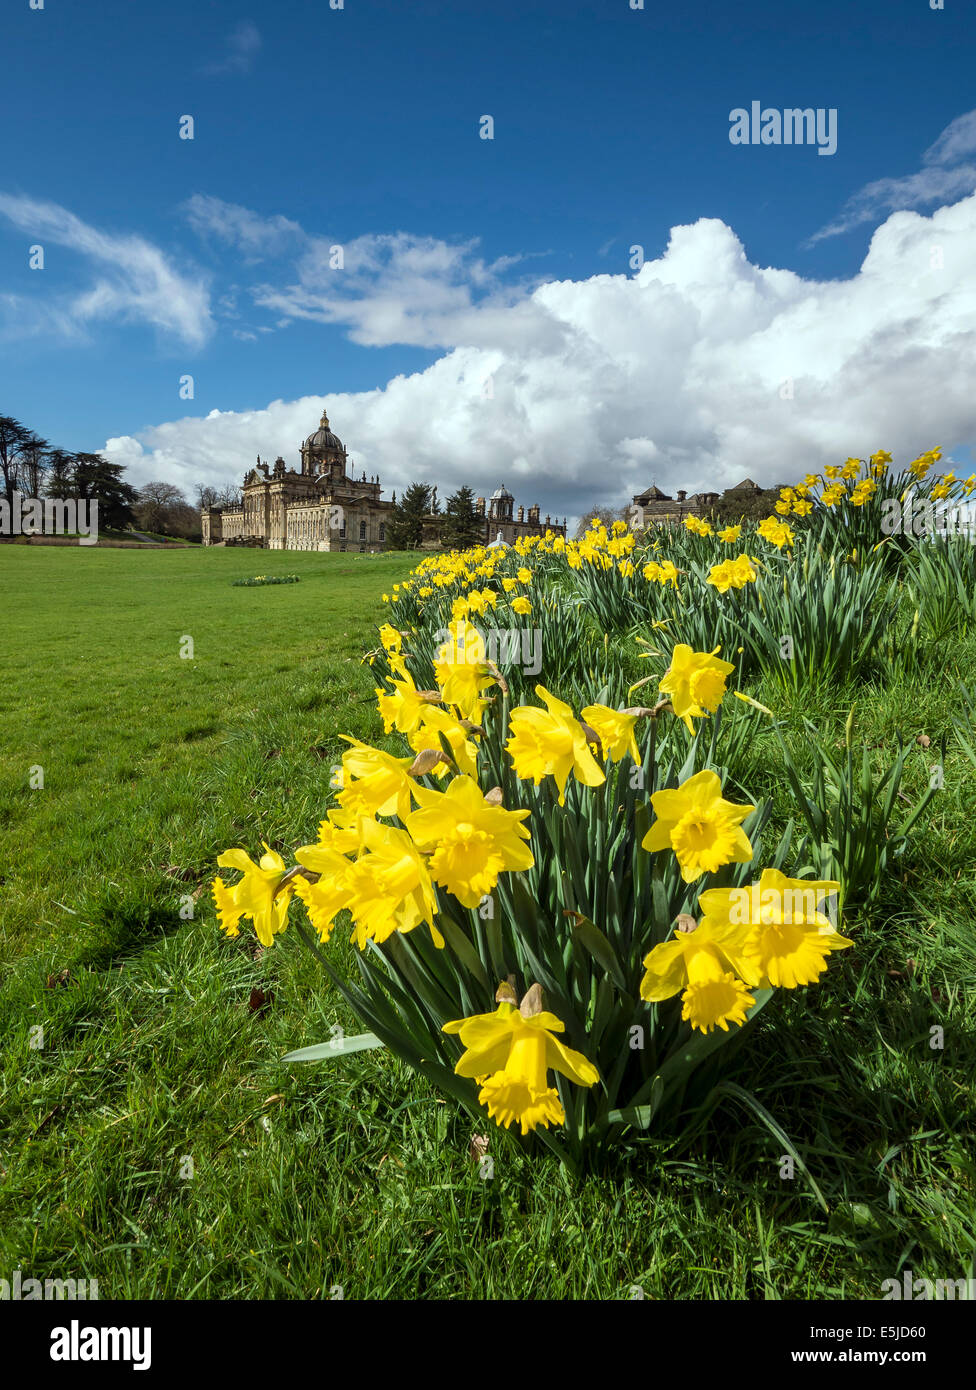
[325,507]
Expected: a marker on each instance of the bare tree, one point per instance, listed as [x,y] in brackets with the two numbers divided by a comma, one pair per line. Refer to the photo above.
[606,514]
[207,496]
[156,504]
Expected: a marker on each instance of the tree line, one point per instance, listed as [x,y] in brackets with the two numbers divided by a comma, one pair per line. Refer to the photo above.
[34,467]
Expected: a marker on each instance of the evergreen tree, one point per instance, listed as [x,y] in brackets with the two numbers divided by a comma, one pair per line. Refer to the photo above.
[59,477]
[95,478]
[462,526]
[13,437]
[405,528]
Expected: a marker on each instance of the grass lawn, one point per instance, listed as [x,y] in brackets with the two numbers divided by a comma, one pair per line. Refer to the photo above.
[151,1137]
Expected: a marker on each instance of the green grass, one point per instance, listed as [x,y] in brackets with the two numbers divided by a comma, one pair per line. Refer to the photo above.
[355,1174]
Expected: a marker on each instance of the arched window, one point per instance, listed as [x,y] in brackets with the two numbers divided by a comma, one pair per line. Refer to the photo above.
[362,530]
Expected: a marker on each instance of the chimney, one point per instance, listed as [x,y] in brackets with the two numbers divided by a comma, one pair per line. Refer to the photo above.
[682,494]
[521,513]
[534,515]
[479,505]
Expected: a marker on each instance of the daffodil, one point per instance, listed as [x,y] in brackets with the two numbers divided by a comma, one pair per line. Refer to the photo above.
[253,895]
[662,573]
[326,898]
[339,831]
[730,535]
[512,1055]
[776,532]
[471,841]
[790,938]
[743,571]
[704,831]
[615,730]
[404,707]
[705,965]
[437,724]
[388,888]
[374,783]
[551,742]
[695,682]
[460,671]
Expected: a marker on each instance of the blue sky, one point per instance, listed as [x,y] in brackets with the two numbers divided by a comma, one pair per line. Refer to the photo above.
[359,127]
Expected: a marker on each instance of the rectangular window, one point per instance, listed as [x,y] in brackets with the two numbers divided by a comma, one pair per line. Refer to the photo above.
[382,530]
[342,530]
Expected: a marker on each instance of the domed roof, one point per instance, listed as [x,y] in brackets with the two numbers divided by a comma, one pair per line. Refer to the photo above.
[502,493]
[323,438]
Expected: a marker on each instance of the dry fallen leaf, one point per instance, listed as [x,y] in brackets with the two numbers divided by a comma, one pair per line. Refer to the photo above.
[259,1001]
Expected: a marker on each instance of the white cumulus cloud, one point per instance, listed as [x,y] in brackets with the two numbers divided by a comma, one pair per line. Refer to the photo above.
[699,370]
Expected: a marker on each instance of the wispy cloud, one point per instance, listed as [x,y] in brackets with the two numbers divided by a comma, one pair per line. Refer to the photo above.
[383,288]
[948,171]
[134,281]
[243,45]
[257,237]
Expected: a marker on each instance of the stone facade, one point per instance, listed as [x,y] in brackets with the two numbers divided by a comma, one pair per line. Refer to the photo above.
[652,507]
[323,507]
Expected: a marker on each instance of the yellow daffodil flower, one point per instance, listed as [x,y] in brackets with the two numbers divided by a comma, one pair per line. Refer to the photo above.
[374,783]
[704,831]
[388,888]
[695,682]
[254,895]
[551,742]
[460,670]
[434,723]
[470,841]
[789,938]
[514,1055]
[705,965]
[615,731]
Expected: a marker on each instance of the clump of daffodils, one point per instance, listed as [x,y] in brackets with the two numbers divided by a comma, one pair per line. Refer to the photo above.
[419,845]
